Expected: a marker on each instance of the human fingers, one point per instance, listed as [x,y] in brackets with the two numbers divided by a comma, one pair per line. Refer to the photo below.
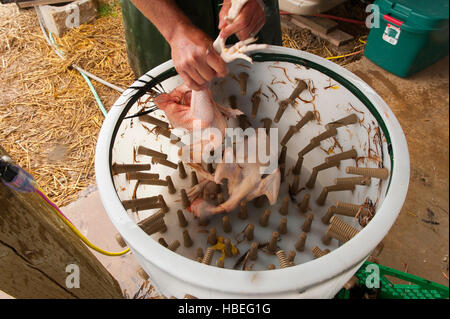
[204,69]
[239,24]
[196,76]
[250,13]
[223,13]
[182,62]
[258,26]
[246,32]
[216,62]
[193,85]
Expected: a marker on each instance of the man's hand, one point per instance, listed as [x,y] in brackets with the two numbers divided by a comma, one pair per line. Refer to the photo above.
[247,24]
[195,59]
[192,52]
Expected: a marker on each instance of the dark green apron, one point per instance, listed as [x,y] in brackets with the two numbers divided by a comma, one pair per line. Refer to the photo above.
[147,48]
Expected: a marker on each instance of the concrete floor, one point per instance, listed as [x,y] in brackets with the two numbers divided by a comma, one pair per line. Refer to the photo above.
[91,219]
[421,104]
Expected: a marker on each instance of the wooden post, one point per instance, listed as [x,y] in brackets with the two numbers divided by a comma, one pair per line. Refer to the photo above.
[36,248]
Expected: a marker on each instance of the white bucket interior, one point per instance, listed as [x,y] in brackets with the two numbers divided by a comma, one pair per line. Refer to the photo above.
[177,273]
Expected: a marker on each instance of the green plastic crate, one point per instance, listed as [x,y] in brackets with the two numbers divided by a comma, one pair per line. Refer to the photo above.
[412,35]
[418,288]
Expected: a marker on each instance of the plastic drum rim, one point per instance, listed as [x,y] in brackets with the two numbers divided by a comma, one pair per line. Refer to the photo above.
[276,281]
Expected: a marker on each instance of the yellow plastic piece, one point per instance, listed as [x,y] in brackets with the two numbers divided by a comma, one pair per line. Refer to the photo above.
[220,246]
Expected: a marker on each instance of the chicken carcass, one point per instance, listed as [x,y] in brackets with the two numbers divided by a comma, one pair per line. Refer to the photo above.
[245,180]
[183,106]
[197,112]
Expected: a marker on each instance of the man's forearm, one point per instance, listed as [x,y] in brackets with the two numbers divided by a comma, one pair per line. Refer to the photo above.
[165,15]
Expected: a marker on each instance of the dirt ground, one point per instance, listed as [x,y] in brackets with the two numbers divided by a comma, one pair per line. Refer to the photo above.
[303,39]
[418,242]
[49,120]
